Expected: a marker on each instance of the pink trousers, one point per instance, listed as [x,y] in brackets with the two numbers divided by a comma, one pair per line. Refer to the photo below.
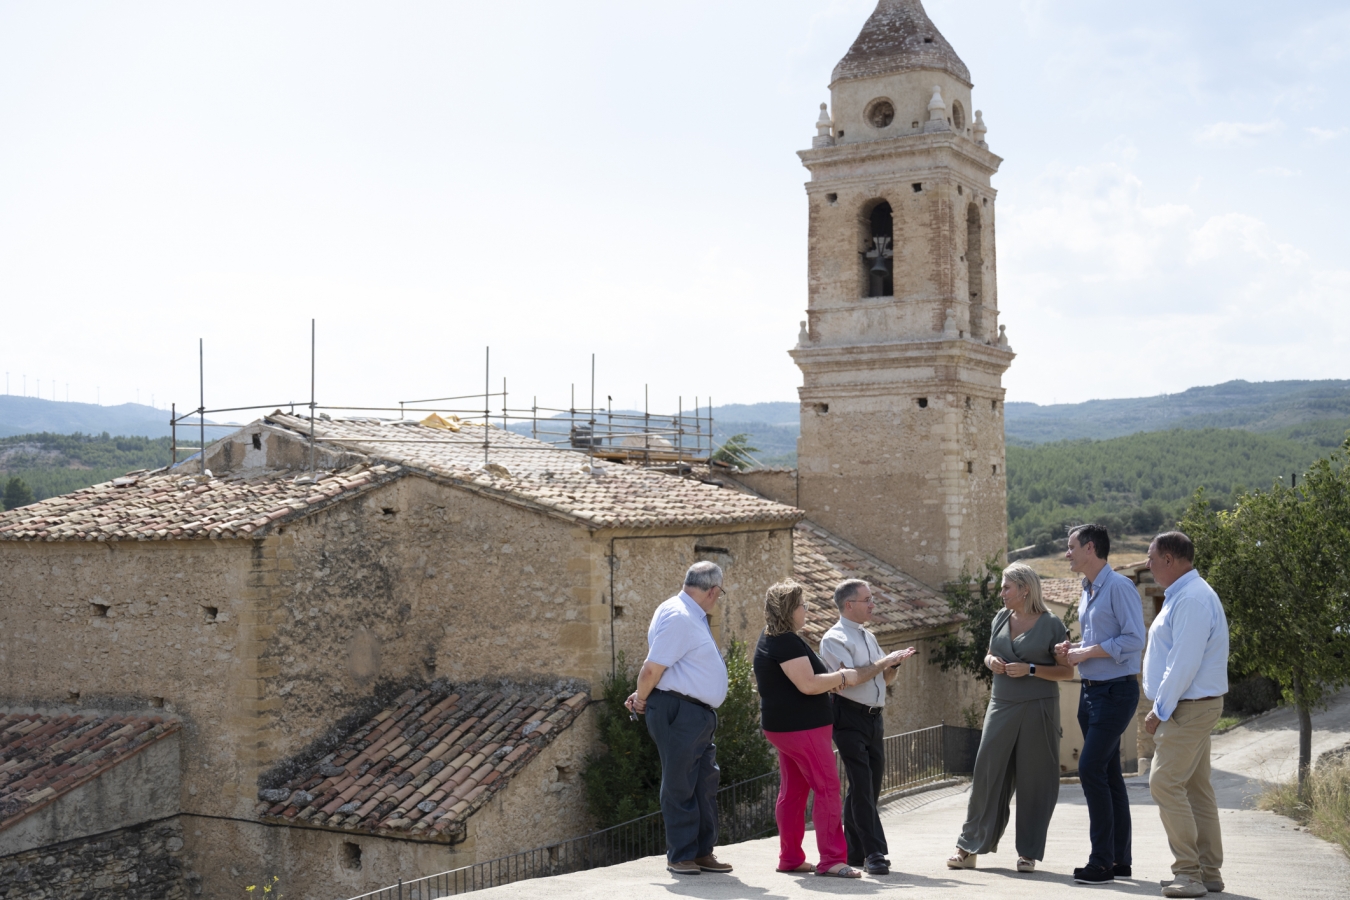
[806,763]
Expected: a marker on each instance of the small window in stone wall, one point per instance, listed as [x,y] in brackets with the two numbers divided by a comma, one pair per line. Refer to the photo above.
[257,442]
[351,856]
[958,116]
[923,402]
[100,610]
[970,467]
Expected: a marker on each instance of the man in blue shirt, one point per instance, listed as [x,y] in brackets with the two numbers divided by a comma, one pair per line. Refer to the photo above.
[1186,678]
[1111,622]
[680,686]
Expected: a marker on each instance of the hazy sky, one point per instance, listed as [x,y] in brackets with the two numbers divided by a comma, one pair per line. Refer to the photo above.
[556,179]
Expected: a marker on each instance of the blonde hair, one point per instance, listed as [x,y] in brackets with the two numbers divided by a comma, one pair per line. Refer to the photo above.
[1025,576]
[780,602]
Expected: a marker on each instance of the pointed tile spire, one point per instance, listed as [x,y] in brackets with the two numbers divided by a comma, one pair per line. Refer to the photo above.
[899,37]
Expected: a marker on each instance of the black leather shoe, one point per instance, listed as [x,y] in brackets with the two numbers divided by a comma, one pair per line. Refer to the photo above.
[1091,874]
[1120,871]
[878,865]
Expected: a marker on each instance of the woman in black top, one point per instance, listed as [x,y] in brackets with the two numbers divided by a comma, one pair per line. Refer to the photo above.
[797,719]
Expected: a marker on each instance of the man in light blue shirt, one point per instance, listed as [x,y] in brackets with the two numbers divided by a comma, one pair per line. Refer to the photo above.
[1186,678]
[680,686]
[1111,622]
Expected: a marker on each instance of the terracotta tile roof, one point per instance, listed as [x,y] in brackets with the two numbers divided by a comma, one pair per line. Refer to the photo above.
[535,474]
[163,505]
[1066,591]
[899,37]
[428,762]
[820,560]
[45,756]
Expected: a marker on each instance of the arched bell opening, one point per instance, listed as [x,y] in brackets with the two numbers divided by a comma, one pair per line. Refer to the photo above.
[878,233]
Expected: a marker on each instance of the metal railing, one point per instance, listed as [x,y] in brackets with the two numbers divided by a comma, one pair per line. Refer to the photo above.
[745,812]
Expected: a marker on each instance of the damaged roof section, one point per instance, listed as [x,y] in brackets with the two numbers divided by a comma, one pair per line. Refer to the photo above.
[43,757]
[424,765]
[820,560]
[563,482]
[177,505]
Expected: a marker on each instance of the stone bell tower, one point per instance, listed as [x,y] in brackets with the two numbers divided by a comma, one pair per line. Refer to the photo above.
[902,356]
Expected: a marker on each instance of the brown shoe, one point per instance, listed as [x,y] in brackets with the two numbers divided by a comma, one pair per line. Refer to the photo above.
[684,867]
[709,863]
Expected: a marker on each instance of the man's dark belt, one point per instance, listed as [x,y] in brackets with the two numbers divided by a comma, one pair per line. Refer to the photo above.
[862,707]
[693,700]
[1202,699]
[1087,682]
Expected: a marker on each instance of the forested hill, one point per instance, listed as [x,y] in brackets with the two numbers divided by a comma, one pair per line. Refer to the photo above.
[1141,482]
[54,464]
[1250,406]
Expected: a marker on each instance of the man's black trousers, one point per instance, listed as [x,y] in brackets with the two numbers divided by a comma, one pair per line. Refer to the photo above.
[858,735]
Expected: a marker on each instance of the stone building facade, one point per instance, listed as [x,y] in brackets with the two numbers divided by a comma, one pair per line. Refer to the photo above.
[902,355]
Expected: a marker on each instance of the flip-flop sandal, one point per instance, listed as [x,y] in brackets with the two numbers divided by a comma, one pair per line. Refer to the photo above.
[804,867]
[841,872]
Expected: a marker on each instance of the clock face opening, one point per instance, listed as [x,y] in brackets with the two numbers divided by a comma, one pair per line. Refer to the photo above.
[881,113]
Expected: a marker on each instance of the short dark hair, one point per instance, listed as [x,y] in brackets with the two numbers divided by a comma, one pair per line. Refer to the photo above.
[846,589]
[1096,536]
[1176,543]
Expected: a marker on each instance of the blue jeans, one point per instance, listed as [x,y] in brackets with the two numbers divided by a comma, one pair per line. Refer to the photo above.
[1104,712]
[683,733]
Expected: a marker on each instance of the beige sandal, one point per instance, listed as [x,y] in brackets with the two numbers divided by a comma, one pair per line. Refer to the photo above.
[1026,865]
[961,860]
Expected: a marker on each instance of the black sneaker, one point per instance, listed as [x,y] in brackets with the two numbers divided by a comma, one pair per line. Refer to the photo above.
[1091,874]
[1120,871]
[878,865]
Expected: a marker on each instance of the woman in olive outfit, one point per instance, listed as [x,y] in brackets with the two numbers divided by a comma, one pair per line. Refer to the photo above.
[797,718]
[1019,749]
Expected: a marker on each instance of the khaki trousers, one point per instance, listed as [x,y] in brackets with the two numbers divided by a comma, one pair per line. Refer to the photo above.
[1179,783]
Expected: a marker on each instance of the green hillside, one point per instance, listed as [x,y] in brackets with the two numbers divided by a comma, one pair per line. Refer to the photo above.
[1141,482]
[54,464]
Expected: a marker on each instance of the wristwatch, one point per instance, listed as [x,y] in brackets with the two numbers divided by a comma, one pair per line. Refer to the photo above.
[1033,669]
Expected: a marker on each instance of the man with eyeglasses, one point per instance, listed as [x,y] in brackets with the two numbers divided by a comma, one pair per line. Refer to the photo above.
[680,686]
[858,720]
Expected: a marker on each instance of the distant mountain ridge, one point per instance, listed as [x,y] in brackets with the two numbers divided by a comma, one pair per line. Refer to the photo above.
[30,415]
[1248,406]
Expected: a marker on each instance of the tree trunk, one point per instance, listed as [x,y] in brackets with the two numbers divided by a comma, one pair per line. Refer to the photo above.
[1304,741]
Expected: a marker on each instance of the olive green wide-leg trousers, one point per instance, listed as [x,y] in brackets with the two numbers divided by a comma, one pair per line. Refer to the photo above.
[1019,753]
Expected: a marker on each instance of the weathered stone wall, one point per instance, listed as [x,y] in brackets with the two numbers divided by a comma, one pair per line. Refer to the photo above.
[144,787]
[648,571]
[142,861]
[923,695]
[150,627]
[779,485]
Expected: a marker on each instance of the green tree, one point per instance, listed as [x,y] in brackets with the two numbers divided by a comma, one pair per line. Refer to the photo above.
[742,751]
[1280,561]
[735,451]
[979,601]
[624,782]
[17,493]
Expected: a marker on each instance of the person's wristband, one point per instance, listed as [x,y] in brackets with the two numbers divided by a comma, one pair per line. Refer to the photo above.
[1032,671]
[843,679]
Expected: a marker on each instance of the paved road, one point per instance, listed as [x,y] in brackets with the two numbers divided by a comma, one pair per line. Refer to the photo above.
[1267,857]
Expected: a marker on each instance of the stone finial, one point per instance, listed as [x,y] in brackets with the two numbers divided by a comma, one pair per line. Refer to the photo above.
[937,112]
[824,129]
[803,335]
[1003,337]
[980,130]
[949,323]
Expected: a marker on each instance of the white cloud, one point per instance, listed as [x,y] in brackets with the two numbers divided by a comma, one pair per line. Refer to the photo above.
[1326,134]
[1237,132]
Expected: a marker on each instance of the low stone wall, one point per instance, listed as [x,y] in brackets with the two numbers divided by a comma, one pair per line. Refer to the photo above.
[141,861]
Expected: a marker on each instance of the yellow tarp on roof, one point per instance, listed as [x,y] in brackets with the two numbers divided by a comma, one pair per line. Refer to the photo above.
[435,421]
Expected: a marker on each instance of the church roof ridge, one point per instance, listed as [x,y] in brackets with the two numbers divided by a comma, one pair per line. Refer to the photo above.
[899,37]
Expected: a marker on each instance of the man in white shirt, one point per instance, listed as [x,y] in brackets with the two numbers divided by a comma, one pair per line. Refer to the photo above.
[858,727]
[1186,676]
[680,686]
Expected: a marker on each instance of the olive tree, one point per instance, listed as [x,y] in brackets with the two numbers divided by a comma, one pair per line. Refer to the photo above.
[1280,562]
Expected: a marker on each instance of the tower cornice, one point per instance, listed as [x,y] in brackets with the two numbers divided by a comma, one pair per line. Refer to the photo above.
[820,160]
